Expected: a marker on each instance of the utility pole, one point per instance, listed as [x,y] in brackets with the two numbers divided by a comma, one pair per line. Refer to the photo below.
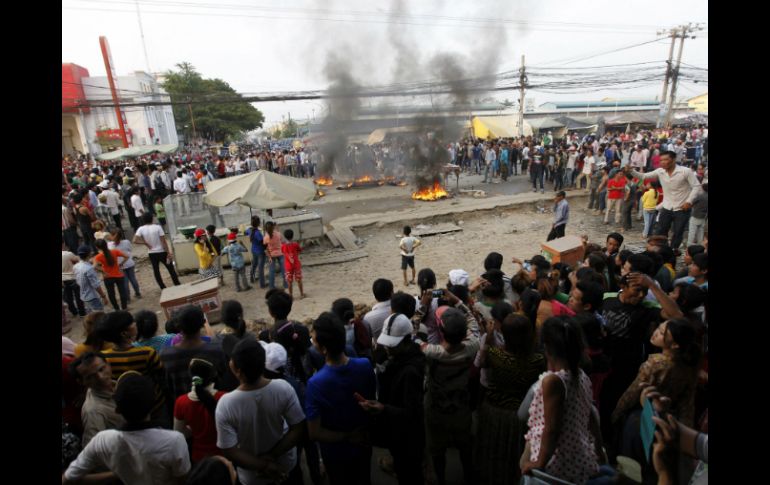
[661,113]
[522,83]
[683,31]
[192,119]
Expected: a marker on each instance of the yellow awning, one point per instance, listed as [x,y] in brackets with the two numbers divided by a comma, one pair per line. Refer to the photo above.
[498,127]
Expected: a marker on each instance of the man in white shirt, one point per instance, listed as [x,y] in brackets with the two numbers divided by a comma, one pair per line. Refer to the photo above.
[189,176]
[136,203]
[114,203]
[375,319]
[141,452]
[638,159]
[152,236]
[489,158]
[260,423]
[588,168]
[182,188]
[680,187]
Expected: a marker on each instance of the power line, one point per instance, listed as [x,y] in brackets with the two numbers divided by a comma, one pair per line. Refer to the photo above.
[573,60]
[362,21]
[389,14]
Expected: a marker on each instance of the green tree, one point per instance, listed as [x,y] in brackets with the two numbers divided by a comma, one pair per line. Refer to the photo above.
[218,113]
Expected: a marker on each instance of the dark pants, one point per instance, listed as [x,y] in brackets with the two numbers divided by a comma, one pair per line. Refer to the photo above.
[88,236]
[537,172]
[679,219]
[628,207]
[132,219]
[258,264]
[71,239]
[593,201]
[557,231]
[558,182]
[156,259]
[111,283]
[116,218]
[352,471]
[72,297]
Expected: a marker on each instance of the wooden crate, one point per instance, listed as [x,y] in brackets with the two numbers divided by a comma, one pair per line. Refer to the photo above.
[567,249]
[202,293]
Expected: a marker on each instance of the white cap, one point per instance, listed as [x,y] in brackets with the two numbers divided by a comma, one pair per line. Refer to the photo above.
[275,356]
[459,277]
[395,328]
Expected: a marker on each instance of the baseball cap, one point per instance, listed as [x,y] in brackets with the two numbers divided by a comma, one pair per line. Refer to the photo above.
[396,327]
[232,236]
[199,232]
[84,250]
[275,356]
[459,277]
[539,261]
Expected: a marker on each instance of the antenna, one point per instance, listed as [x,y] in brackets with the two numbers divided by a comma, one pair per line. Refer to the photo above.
[141,32]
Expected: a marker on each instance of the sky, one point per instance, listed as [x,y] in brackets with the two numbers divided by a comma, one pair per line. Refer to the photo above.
[285,45]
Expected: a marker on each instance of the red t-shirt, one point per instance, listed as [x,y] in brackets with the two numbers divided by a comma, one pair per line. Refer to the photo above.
[112,271]
[291,252]
[615,188]
[201,422]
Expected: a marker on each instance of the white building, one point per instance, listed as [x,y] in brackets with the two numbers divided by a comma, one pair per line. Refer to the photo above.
[149,125]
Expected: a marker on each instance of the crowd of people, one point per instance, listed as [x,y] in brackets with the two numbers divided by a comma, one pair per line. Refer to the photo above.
[541,373]
[544,370]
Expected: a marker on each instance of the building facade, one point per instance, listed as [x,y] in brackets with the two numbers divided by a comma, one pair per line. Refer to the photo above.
[93,130]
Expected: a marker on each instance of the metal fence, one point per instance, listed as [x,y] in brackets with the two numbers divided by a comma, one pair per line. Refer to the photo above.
[190,210]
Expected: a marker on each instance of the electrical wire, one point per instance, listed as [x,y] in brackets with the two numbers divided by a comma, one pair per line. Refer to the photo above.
[391,15]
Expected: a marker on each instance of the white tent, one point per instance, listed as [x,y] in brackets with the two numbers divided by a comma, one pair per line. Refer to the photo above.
[260,190]
[137,151]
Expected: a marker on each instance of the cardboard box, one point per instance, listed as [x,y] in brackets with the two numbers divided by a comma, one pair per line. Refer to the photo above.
[567,249]
[202,293]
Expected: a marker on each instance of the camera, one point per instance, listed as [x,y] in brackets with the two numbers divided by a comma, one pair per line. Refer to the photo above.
[438,293]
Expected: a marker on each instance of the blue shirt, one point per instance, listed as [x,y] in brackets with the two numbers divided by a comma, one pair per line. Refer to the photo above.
[561,213]
[329,397]
[256,240]
[234,250]
[87,280]
[504,155]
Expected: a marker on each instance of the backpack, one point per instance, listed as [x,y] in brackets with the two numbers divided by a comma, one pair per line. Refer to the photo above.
[159,185]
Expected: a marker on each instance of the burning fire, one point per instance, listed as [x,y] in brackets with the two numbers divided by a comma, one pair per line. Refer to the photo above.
[431,193]
[320,193]
[392,181]
[324,181]
[364,179]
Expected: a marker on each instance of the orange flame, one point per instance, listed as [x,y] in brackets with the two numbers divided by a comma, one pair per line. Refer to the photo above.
[364,179]
[431,193]
[320,193]
[324,181]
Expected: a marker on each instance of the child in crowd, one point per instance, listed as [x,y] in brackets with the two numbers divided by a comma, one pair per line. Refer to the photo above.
[234,251]
[407,245]
[292,265]
[160,212]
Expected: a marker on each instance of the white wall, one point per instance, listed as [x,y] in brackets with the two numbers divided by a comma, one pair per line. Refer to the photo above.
[137,87]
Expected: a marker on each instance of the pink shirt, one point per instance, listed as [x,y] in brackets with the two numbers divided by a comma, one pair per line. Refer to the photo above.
[273,243]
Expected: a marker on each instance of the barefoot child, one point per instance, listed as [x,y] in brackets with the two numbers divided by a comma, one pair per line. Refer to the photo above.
[292,265]
[234,251]
[408,245]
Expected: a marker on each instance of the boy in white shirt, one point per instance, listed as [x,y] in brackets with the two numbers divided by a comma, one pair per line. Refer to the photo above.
[408,245]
